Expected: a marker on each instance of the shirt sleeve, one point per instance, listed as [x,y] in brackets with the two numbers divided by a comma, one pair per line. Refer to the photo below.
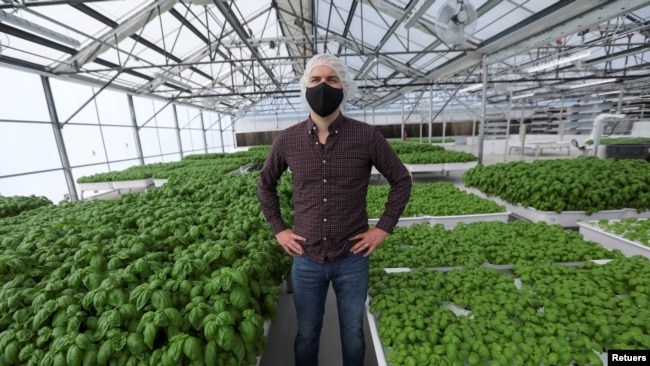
[267,193]
[391,167]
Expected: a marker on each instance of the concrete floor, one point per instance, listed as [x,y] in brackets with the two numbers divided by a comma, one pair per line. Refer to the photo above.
[279,343]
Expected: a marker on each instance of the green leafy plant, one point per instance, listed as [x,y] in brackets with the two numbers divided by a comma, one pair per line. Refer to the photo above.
[434,199]
[588,184]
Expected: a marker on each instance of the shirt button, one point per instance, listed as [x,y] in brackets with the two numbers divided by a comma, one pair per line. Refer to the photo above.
[324,219]
[324,199]
[324,180]
[324,238]
[324,162]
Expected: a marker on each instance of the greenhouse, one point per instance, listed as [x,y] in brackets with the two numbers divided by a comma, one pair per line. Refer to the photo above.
[138,139]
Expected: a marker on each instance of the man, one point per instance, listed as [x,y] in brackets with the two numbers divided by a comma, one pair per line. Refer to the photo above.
[330,157]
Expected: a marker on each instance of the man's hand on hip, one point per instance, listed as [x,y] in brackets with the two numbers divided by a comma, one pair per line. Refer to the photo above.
[370,240]
[289,242]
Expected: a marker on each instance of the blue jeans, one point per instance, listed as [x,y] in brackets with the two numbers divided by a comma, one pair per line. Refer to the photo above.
[349,277]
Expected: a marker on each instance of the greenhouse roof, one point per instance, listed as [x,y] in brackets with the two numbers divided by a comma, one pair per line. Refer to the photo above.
[245,57]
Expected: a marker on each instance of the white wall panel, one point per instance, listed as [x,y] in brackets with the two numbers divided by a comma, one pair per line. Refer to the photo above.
[27,147]
[24,100]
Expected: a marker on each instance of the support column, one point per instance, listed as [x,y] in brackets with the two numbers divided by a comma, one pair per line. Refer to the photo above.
[58,136]
[136,130]
[481,134]
[223,148]
[178,131]
[205,139]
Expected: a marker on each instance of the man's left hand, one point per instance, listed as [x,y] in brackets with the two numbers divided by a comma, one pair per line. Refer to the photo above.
[369,240]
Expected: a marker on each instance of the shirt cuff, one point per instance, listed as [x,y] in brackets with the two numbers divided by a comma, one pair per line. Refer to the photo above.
[277,226]
[386,224]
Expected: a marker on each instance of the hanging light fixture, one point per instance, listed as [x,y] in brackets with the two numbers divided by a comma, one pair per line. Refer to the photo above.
[593,83]
[470,88]
[559,61]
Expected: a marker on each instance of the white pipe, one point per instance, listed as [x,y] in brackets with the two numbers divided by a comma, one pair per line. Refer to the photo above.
[597,129]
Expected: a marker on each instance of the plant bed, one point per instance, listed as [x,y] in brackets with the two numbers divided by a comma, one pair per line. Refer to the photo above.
[96,186]
[564,218]
[540,314]
[432,199]
[571,188]
[136,183]
[629,235]
[481,243]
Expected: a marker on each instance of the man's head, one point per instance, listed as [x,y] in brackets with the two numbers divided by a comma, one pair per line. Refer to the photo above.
[329,69]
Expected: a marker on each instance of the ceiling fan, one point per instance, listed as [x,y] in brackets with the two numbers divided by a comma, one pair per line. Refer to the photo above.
[456,22]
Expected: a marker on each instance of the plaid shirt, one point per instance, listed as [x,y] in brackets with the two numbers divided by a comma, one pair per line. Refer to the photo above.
[330,183]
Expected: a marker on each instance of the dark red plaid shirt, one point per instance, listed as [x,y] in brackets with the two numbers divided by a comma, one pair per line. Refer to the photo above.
[330,183]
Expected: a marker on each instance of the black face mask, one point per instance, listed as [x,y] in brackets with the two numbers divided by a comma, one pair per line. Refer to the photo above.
[324,99]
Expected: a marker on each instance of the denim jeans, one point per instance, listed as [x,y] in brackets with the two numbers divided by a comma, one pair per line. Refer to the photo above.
[349,278]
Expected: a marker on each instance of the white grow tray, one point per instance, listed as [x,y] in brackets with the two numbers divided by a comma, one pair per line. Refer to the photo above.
[591,231]
[425,168]
[94,187]
[133,184]
[449,221]
[566,218]
[374,334]
[99,186]
[460,166]
[405,221]
[159,182]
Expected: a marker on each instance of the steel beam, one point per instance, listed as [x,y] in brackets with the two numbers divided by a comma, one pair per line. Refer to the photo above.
[114,36]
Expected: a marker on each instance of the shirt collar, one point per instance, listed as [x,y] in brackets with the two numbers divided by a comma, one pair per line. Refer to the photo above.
[335,127]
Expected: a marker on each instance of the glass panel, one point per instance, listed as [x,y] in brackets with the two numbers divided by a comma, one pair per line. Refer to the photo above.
[154,159]
[122,165]
[186,141]
[84,145]
[69,97]
[214,141]
[31,52]
[49,184]
[146,109]
[113,108]
[149,142]
[120,143]
[198,140]
[27,147]
[86,171]
[168,140]
[25,99]
[166,117]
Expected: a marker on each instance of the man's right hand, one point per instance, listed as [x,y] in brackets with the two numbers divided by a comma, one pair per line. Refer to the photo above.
[289,242]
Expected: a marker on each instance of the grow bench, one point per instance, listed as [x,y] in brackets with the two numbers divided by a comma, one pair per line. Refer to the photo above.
[537,147]
[128,185]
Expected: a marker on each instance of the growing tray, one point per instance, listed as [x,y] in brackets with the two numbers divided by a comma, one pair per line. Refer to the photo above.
[565,218]
[136,183]
[591,231]
[449,221]
[98,186]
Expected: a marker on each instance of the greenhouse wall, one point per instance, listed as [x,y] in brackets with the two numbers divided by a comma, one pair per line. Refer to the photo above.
[98,133]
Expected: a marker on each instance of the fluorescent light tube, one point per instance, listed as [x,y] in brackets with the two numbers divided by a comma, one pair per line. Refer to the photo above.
[470,87]
[522,96]
[559,61]
[596,82]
